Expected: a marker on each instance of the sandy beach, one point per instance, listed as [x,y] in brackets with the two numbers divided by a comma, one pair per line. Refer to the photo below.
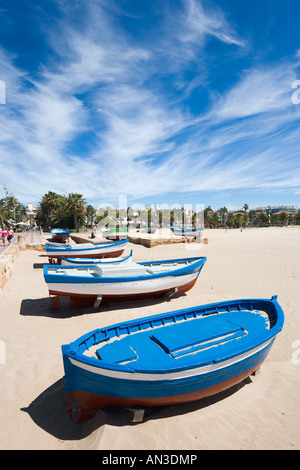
[262,413]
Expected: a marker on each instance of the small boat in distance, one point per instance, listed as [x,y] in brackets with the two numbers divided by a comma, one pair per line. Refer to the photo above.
[90,285]
[60,234]
[86,250]
[110,261]
[186,230]
[170,358]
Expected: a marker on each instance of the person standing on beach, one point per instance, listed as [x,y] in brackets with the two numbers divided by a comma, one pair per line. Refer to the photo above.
[4,235]
[10,235]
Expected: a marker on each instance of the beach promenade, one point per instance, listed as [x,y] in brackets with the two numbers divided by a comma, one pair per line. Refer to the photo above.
[30,237]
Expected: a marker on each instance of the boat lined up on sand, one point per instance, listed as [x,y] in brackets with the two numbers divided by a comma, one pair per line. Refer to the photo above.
[60,234]
[85,250]
[170,358]
[188,231]
[90,285]
[99,261]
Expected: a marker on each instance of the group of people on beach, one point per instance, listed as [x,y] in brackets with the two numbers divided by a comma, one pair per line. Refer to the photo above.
[6,234]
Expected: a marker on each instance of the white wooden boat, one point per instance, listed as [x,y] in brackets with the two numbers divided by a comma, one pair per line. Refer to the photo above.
[92,284]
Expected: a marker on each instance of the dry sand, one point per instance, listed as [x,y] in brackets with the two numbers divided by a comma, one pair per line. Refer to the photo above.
[262,413]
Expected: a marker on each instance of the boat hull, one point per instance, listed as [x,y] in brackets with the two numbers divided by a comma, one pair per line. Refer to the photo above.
[152,393]
[130,293]
[60,238]
[60,235]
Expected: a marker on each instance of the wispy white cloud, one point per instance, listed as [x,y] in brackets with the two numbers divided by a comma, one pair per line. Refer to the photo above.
[196,24]
[260,90]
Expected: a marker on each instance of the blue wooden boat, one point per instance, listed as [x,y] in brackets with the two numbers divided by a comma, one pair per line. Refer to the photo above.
[149,230]
[170,358]
[90,285]
[60,234]
[86,250]
[185,230]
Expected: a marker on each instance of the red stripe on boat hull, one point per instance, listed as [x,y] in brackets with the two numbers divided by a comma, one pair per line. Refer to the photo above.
[89,403]
[81,300]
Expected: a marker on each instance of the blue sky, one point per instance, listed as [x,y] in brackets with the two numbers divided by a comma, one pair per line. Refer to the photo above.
[160,101]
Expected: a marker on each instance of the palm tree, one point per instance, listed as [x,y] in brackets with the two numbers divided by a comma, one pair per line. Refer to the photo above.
[49,204]
[245,206]
[223,211]
[59,216]
[76,206]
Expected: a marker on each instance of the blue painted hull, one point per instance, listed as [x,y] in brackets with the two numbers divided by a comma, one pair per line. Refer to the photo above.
[176,372]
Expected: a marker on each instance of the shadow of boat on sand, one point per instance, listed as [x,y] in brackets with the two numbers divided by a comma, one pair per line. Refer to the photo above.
[51,413]
[56,414]
[42,306]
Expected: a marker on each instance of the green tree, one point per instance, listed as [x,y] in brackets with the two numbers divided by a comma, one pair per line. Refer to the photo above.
[76,207]
[237,219]
[230,220]
[89,213]
[297,218]
[11,211]
[206,211]
[283,217]
[223,212]
[252,217]
[60,216]
[48,208]
[213,220]
[263,219]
